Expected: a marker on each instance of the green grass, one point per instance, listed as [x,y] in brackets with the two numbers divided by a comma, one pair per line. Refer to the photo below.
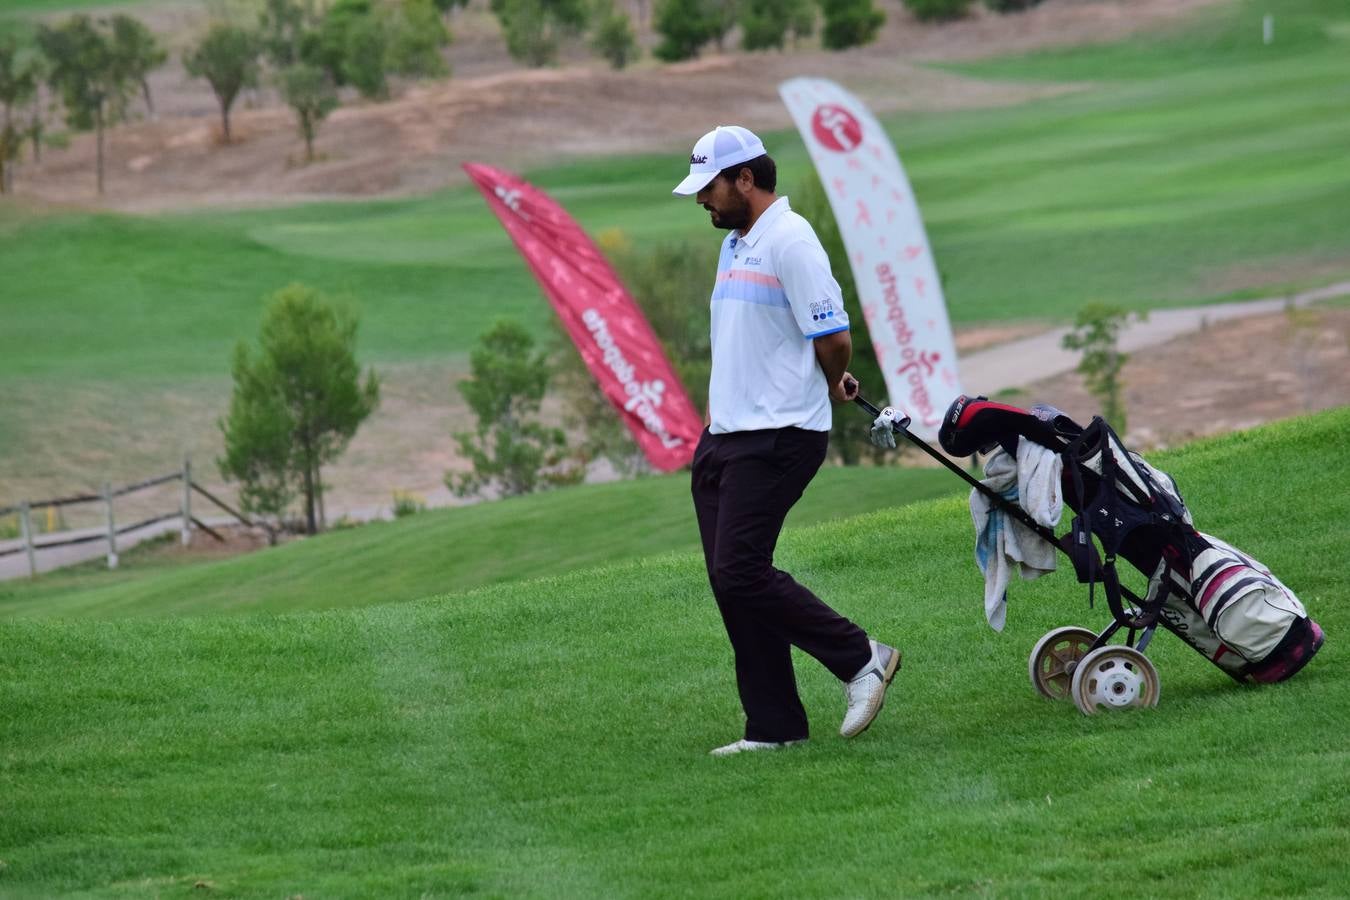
[440,551]
[1194,167]
[27,8]
[549,738]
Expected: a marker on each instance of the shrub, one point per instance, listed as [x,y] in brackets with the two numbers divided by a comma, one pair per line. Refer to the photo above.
[407,504]
[685,27]
[849,23]
[1011,6]
[938,10]
[614,38]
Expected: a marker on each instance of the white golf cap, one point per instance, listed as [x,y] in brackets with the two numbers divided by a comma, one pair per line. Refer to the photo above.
[725,145]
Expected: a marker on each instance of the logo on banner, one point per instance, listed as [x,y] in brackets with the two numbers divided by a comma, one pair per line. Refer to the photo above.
[644,397]
[836,128]
[917,364]
[510,199]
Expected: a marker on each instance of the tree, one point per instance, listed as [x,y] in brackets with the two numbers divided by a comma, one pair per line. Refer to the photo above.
[534,27]
[764,24]
[938,10]
[363,59]
[511,450]
[1096,332]
[348,44]
[227,58]
[614,38]
[287,29]
[1010,6]
[138,53]
[849,23]
[801,19]
[36,129]
[416,36]
[685,27]
[308,91]
[94,82]
[11,144]
[297,402]
[18,84]
[721,16]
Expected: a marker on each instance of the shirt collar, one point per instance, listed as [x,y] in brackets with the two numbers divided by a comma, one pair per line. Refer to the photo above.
[765,221]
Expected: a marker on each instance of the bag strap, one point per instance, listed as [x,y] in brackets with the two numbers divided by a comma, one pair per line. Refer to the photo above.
[1097,438]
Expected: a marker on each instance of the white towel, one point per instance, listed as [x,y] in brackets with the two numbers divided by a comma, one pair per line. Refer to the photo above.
[1001,541]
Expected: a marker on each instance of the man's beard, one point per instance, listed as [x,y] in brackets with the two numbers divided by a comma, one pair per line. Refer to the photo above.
[734,217]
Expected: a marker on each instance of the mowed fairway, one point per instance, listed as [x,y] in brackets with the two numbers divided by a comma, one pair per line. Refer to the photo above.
[442,551]
[548,738]
[1187,168]
[1209,168]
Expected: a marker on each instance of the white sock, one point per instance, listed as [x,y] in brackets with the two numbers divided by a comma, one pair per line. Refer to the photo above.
[872,661]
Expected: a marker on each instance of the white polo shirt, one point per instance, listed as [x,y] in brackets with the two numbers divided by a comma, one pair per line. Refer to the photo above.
[774,296]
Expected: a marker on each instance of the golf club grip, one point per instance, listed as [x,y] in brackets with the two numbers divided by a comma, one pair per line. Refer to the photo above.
[852,384]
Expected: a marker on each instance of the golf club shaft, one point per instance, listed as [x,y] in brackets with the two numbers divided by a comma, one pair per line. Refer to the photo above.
[998,500]
[1011,509]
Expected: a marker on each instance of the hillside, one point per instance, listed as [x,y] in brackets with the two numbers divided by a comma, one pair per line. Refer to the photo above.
[493,109]
[549,738]
[1200,167]
[441,551]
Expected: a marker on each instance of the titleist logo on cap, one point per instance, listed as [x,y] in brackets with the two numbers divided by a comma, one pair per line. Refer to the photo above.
[696,159]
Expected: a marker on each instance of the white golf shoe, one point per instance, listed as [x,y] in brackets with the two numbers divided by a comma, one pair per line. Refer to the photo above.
[744,746]
[867,691]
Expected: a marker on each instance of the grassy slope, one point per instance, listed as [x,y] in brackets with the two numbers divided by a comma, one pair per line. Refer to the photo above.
[547,739]
[47,7]
[442,551]
[1149,188]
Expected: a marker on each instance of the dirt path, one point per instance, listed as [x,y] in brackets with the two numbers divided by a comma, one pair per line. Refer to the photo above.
[1225,376]
[1019,361]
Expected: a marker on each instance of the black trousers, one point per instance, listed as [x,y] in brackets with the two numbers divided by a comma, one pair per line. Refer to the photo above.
[743,484]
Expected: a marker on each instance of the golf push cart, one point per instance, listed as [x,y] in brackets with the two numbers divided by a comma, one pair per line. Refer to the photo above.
[1222,603]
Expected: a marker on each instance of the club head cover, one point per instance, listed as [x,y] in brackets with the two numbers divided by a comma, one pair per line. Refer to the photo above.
[977,424]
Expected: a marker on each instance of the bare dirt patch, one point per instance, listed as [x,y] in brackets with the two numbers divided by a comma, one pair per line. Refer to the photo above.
[1190,387]
[68,439]
[1230,376]
[232,541]
[518,118]
[980,337]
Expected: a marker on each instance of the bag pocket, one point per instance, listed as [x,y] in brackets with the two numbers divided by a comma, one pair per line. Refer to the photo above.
[1248,608]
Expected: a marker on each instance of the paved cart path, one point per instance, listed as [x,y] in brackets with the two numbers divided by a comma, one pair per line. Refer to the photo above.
[1028,360]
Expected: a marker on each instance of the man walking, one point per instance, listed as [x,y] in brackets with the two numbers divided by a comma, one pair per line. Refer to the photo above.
[780,348]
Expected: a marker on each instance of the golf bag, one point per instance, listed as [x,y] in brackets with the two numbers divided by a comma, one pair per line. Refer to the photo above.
[1224,604]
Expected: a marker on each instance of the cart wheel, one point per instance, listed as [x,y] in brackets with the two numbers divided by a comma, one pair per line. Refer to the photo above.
[1114,677]
[1054,658]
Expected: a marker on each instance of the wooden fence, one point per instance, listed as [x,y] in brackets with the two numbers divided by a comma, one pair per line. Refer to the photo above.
[32,545]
